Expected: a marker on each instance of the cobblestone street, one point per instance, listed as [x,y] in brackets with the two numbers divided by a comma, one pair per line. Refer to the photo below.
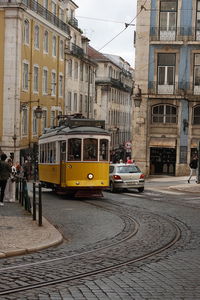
[172,273]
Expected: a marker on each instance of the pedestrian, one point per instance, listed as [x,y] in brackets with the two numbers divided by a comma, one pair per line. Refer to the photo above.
[5,171]
[26,170]
[193,167]
[9,194]
[129,160]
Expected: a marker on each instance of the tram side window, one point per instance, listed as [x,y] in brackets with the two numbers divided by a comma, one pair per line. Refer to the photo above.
[52,152]
[103,154]
[42,153]
[74,149]
[90,149]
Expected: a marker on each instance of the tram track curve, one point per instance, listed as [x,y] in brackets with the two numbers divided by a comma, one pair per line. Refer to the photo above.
[102,252]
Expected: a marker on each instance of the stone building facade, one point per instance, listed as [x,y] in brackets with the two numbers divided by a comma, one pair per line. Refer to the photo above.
[43,63]
[113,103]
[166,126]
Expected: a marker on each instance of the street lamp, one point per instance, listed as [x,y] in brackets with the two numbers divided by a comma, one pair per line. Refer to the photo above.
[38,112]
[137,96]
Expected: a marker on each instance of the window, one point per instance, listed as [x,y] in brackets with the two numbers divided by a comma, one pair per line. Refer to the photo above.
[60,85]
[61,49]
[24,121]
[25,76]
[53,83]
[35,79]
[37,37]
[69,100]
[197,74]
[44,119]
[198,21]
[61,14]
[90,149]
[164,114]
[45,81]
[26,32]
[53,115]
[45,4]
[86,104]
[70,68]
[74,149]
[76,70]
[81,104]
[35,124]
[166,73]
[54,46]
[46,42]
[53,6]
[196,115]
[81,71]
[75,102]
[168,11]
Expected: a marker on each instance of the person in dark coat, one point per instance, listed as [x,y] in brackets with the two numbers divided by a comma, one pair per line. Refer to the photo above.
[5,171]
[193,167]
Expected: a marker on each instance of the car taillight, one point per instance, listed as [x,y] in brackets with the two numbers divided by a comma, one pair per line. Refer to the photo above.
[142,176]
[116,177]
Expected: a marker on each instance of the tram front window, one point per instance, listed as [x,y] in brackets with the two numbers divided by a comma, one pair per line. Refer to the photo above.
[103,154]
[90,149]
[74,149]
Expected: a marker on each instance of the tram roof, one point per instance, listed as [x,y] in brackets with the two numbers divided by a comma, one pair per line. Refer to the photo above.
[65,130]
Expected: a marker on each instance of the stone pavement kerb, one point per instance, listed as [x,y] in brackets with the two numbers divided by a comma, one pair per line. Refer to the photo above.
[19,234]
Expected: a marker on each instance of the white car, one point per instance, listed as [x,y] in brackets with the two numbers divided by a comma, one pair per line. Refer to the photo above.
[126,176]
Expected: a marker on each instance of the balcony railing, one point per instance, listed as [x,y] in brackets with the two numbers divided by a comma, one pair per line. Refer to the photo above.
[73,22]
[174,34]
[116,83]
[77,51]
[180,89]
[46,14]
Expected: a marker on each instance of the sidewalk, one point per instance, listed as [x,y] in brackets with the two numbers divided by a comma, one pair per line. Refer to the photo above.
[19,234]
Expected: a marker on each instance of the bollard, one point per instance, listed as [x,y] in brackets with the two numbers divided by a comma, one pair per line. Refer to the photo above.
[40,205]
[34,202]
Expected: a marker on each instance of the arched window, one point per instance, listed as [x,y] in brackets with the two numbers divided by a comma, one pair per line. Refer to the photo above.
[37,37]
[46,42]
[196,115]
[164,113]
[26,32]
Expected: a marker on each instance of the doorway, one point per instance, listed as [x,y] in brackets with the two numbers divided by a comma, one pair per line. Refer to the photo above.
[162,161]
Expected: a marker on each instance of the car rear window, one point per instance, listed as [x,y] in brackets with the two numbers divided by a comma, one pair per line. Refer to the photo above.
[128,169]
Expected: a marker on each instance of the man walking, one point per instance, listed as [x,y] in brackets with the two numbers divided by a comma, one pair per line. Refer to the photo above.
[5,171]
[193,167]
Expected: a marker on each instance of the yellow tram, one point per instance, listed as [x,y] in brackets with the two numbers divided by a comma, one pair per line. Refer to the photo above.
[74,156]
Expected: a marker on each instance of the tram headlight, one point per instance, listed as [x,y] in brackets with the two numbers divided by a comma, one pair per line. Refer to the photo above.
[90,176]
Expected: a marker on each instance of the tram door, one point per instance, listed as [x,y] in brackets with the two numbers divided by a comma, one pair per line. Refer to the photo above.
[163,161]
[63,162]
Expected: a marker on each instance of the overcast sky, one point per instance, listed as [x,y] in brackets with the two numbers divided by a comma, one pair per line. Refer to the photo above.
[101,32]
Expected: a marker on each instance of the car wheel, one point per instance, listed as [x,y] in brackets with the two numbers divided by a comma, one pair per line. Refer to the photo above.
[141,189]
[112,188]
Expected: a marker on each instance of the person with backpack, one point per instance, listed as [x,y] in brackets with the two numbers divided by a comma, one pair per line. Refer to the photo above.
[193,167]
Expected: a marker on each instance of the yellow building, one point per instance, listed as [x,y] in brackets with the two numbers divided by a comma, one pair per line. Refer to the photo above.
[37,41]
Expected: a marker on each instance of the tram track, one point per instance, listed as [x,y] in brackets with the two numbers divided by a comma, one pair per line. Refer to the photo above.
[91,257]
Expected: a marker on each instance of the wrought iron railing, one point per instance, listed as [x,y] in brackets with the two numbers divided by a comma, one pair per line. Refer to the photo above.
[77,51]
[174,34]
[45,13]
[182,88]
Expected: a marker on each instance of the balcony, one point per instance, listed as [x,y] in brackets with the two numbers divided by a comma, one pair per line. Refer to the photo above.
[73,22]
[113,82]
[77,51]
[177,34]
[178,88]
[46,14]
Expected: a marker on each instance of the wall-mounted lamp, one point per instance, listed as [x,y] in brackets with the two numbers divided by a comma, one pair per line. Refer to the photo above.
[38,111]
[137,96]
